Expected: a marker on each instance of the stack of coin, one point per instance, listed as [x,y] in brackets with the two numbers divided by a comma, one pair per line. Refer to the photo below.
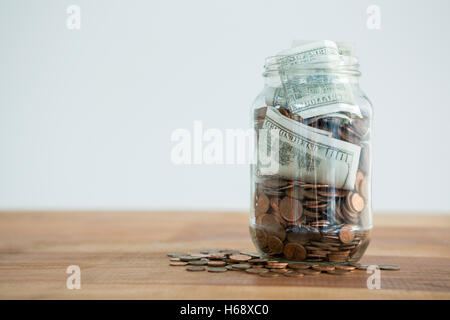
[303,221]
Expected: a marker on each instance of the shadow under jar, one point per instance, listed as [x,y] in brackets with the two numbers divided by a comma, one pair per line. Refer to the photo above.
[310,183]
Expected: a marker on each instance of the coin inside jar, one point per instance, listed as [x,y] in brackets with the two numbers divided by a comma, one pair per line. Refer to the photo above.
[346,234]
[356,202]
[275,245]
[263,203]
[291,209]
[294,251]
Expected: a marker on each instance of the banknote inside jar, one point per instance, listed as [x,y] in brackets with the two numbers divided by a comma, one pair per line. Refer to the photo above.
[312,177]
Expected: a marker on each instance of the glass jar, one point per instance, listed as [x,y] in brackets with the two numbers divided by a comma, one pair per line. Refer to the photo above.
[311,182]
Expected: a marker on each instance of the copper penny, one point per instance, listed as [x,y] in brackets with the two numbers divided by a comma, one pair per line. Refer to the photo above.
[357,202]
[279,270]
[217,263]
[273,225]
[291,209]
[294,251]
[323,268]
[240,257]
[284,112]
[346,234]
[261,237]
[275,245]
[275,204]
[215,256]
[348,200]
[263,203]
[276,265]
[348,268]
[337,193]
[257,271]
[299,266]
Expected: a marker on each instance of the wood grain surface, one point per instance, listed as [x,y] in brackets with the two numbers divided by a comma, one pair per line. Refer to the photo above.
[123,255]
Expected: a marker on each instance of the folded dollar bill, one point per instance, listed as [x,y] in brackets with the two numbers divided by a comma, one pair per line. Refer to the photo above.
[309,154]
[308,93]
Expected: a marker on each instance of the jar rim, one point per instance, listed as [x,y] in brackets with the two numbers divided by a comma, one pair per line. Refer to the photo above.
[349,67]
[346,63]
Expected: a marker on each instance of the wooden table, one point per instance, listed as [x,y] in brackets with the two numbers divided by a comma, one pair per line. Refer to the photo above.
[122,255]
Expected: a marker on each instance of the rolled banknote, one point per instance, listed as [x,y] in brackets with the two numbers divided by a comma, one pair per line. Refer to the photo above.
[319,95]
[275,96]
[310,156]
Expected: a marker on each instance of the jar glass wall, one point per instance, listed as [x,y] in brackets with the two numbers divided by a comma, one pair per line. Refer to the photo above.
[310,185]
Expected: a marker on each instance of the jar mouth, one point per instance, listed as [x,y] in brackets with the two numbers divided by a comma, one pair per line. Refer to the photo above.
[342,63]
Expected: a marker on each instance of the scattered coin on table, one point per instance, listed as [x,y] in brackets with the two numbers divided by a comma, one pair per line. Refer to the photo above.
[195,268]
[223,260]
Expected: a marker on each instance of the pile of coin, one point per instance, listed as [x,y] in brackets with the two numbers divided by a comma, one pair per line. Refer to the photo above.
[311,221]
[223,260]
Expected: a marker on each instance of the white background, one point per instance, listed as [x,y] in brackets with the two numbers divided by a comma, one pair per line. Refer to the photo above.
[86,115]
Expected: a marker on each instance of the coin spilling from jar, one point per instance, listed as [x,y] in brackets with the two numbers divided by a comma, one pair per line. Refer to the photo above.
[224,260]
